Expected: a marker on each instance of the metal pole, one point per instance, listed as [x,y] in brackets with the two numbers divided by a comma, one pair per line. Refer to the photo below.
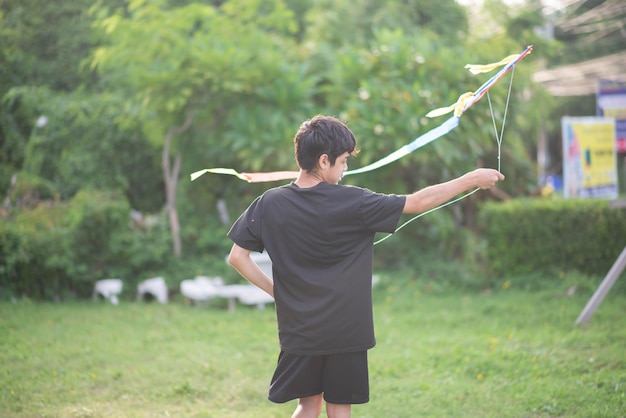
[603,289]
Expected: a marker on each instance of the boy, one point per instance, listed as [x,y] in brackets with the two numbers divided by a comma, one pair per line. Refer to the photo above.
[319,236]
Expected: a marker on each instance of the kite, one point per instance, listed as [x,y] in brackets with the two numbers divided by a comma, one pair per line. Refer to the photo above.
[465,101]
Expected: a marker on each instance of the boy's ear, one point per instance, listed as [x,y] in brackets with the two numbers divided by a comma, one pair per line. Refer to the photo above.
[323,161]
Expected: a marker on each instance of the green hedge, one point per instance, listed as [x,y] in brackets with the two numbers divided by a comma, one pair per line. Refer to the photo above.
[547,235]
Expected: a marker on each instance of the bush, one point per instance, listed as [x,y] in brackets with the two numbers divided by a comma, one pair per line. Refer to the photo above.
[28,190]
[34,253]
[552,235]
[58,250]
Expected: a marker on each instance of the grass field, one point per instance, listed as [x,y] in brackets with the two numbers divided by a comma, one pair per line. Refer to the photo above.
[511,353]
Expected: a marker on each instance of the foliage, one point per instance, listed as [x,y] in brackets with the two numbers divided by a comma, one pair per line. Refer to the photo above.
[29,191]
[44,43]
[187,66]
[383,92]
[348,22]
[42,46]
[246,73]
[589,29]
[36,254]
[58,250]
[196,57]
[73,141]
[47,251]
[552,235]
[94,220]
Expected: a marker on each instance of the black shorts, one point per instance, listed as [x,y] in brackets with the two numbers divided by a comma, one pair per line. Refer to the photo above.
[342,378]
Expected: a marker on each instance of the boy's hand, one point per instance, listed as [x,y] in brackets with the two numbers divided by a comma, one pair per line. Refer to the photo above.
[487,177]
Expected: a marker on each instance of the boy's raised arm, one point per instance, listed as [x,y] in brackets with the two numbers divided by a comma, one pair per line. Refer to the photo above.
[435,195]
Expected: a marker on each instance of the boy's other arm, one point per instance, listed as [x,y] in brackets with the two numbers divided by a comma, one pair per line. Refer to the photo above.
[435,195]
[240,259]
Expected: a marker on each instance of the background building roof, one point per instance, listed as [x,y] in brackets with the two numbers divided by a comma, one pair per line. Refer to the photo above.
[580,79]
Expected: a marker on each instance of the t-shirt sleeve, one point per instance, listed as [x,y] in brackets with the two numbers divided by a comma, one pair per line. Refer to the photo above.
[381,212]
[246,231]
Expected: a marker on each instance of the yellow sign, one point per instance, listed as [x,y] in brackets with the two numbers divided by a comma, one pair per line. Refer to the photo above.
[589,157]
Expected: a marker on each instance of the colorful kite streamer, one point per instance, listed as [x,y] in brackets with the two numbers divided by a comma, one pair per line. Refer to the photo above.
[465,101]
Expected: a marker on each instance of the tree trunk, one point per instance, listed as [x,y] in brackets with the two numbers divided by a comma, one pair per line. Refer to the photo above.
[170,178]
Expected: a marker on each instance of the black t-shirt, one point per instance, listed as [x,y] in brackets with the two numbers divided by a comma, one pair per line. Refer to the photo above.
[320,241]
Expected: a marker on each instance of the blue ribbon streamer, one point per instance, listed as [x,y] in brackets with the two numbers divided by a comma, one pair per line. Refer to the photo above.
[417,143]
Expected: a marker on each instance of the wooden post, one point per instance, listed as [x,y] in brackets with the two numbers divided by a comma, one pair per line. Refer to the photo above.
[603,289]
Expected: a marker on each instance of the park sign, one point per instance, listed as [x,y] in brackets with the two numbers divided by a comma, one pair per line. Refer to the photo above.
[589,157]
[611,102]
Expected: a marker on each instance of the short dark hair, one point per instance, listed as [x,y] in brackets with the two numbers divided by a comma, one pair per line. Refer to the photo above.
[322,135]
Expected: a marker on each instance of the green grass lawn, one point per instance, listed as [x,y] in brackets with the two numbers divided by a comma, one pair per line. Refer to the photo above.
[512,353]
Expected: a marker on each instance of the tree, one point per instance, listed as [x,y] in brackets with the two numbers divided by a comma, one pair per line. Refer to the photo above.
[71,141]
[188,64]
[354,22]
[385,92]
[589,29]
[42,45]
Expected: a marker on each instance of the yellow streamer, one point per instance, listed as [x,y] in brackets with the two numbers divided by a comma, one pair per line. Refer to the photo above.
[485,68]
[458,107]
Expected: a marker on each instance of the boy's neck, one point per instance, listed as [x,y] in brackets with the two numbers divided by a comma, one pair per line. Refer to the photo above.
[306,180]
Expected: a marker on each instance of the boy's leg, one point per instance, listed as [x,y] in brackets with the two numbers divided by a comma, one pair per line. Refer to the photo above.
[309,407]
[334,410]
[297,377]
[339,379]
[346,379]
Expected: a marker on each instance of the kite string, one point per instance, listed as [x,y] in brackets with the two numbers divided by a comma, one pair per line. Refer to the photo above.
[499,142]
[427,212]
[493,118]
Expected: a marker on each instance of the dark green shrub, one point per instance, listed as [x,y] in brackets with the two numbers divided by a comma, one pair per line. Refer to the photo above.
[106,242]
[35,253]
[58,250]
[30,190]
[552,235]
[95,219]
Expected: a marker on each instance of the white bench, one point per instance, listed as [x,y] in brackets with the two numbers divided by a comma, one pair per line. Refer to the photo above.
[246,294]
[249,294]
[264,262]
[200,288]
[108,289]
[154,287]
